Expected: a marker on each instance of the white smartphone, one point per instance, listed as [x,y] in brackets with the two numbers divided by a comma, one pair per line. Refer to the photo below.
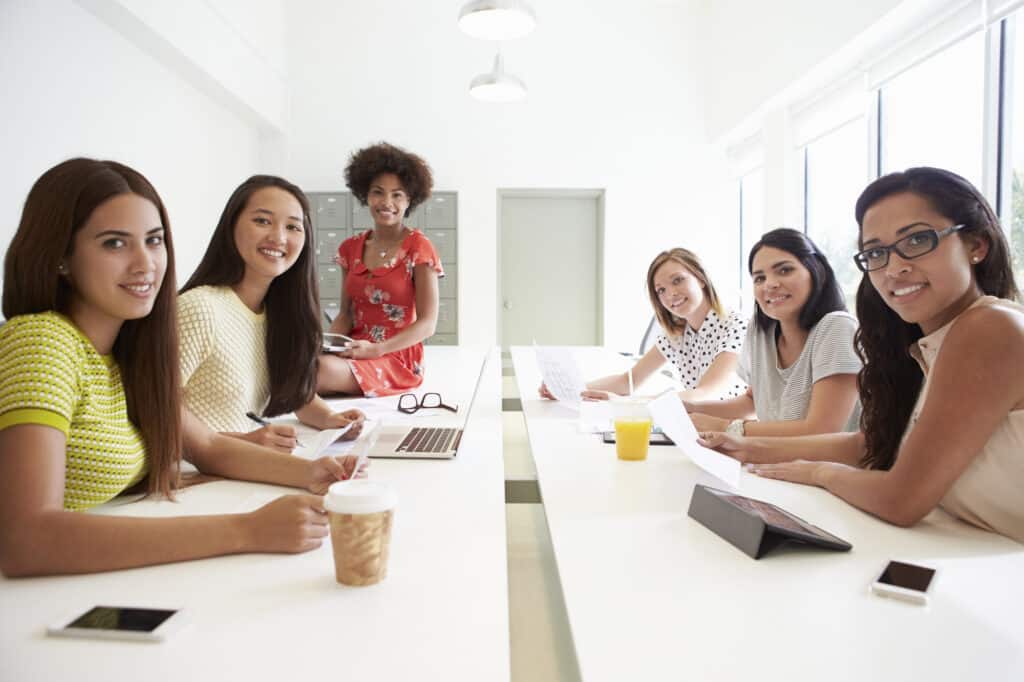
[334,343]
[120,622]
[908,582]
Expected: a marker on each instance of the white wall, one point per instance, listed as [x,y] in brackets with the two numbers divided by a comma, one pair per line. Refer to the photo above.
[75,85]
[757,49]
[614,103]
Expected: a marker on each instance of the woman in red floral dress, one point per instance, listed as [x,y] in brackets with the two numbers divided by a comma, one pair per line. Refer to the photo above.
[389,280]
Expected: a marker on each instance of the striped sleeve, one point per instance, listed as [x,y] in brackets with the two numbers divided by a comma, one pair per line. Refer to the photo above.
[746,363]
[39,372]
[832,351]
[196,320]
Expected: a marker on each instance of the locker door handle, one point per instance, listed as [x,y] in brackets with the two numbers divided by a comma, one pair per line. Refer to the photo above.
[506,304]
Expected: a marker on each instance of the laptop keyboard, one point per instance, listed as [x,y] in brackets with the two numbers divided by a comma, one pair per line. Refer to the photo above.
[428,439]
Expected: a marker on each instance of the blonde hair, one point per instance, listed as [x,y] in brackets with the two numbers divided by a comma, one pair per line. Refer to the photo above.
[674,326]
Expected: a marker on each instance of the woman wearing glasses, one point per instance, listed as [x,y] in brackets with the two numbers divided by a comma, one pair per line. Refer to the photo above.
[798,357]
[389,295]
[943,422]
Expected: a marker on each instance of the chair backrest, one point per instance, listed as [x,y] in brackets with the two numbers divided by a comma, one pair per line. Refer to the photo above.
[647,336]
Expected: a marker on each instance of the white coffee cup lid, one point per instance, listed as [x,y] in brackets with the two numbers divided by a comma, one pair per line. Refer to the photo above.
[360,496]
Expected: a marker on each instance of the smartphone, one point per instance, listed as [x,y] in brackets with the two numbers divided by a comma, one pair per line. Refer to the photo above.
[908,582]
[657,437]
[334,343]
[120,622]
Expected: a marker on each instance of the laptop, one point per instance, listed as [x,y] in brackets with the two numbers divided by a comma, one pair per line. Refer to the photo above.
[418,441]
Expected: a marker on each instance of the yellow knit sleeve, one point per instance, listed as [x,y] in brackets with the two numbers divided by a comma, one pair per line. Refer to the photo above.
[40,371]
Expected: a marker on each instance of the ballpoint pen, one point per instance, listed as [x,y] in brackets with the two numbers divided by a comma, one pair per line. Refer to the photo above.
[263,422]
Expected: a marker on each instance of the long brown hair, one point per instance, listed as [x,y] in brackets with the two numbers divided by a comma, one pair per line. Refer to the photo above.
[890,379]
[291,303]
[146,349]
[673,325]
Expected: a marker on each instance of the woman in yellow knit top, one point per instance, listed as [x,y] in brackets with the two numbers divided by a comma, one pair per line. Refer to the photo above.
[249,317]
[90,392]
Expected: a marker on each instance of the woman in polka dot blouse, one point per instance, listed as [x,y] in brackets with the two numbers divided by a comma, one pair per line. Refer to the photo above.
[698,336]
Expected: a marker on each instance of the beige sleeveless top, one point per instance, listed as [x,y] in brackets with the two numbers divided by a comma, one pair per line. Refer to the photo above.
[990,493]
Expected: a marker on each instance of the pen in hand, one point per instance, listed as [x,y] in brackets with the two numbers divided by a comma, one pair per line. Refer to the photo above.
[263,422]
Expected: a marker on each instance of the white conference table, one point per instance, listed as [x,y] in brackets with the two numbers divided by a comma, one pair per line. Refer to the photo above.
[442,612]
[653,595]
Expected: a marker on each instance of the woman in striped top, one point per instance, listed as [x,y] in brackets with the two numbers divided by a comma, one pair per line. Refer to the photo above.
[90,392]
[798,357]
[942,338]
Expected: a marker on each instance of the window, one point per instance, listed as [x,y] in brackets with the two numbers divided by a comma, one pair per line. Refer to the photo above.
[1013,218]
[751,228]
[836,174]
[933,113]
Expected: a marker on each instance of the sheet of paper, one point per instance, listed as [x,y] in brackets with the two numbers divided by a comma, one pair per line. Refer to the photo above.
[669,414]
[560,374]
[595,416]
[324,443]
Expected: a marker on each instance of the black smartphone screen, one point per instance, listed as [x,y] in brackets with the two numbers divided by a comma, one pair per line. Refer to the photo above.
[907,576]
[657,438]
[120,618]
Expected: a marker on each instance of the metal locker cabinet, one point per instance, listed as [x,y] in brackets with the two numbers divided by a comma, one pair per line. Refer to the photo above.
[441,211]
[447,286]
[330,210]
[444,243]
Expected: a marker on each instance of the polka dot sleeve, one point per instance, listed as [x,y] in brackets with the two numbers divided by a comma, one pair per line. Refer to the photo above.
[733,331]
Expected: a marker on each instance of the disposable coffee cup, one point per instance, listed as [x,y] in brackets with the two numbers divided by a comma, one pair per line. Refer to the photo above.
[632,420]
[360,513]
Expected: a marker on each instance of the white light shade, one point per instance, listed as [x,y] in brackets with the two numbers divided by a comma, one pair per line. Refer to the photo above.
[497,86]
[497,19]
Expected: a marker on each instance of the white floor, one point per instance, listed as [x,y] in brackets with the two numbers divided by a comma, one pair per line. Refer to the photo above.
[541,643]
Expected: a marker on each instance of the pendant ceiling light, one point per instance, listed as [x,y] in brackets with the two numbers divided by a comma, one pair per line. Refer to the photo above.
[497,86]
[497,19]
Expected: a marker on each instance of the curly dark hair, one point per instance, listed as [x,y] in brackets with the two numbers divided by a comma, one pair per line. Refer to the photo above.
[370,162]
[890,380]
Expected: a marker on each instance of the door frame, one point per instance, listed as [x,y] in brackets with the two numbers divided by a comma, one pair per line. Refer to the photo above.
[555,193]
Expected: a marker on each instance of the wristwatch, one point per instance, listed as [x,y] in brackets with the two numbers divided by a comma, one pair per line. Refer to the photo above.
[736,428]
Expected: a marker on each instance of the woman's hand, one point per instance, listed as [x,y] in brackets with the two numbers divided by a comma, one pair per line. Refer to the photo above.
[736,447]
[800,471]
[705,422]
[279,437]
[292,523]
[328,469]
[339,420]
[545,393]
[596,395]
[360,349]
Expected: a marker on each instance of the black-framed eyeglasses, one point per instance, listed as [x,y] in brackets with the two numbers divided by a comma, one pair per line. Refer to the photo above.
[914,245]
[409,403]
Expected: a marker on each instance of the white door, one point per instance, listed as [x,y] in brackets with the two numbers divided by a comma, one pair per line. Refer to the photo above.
[550,267]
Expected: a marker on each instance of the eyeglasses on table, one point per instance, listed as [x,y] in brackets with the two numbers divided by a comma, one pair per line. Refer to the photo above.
[409,403]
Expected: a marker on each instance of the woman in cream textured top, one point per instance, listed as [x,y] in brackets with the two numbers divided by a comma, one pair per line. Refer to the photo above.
[942,340]
[250,329]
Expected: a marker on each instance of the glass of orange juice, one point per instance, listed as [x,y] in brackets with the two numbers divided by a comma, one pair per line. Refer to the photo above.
[632,429]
